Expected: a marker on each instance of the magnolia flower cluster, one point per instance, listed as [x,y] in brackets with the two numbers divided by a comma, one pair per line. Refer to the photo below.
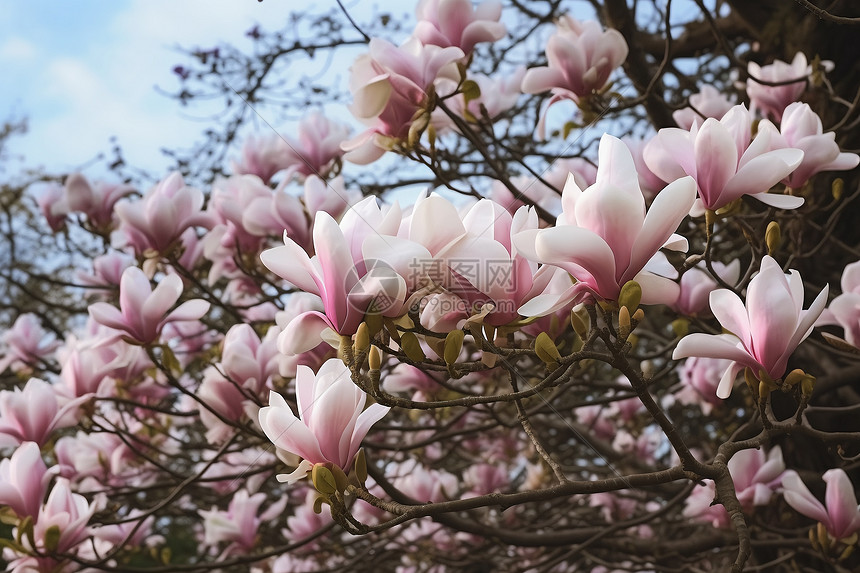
[203,333]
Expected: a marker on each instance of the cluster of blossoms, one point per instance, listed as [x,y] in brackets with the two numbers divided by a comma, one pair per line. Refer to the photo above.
[212,357]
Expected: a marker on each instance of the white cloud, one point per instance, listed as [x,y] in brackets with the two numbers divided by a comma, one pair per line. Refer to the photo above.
[77,103]
[17,50]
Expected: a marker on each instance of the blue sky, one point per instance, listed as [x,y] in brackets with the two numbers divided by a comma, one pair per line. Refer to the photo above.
[84,71]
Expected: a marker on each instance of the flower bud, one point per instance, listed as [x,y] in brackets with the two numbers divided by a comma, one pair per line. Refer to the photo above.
[630,296]
[623,323]
[362,338]
[453,345]
[580,325]
[837,187]
[546,350]
[680,326]
[323,479]
[374,358]
[412,347]
[772,237]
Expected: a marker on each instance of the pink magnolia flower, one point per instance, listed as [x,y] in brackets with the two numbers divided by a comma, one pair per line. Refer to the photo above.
[801,129]
[249,361]
[331,423]
[279,212]
[756,476]
[765,330]
[580,56]
[697,284]
[840,516]
[648,182]
[724,160]
[700,378]
[709,102]
[844,310]
[447,23]
[772,100]
[107,270]
[26,344]
[101,458]
[338,274]
[226,398]
[230,197]
[33,413]
[389,85]
[604,237]
[313,153]
[421,483]
[498,95]
[52,202]
[303,524]
[143,312]
[24,480]
[165,212]
[95,201]
[67,511]
[262,156]
[239,524]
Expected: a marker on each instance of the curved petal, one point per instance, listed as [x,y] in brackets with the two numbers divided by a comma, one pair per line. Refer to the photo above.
[575,249]
[799,497]
[303,333]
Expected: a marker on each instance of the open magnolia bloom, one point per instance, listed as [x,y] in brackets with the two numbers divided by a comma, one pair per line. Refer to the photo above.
[143,311]
[604,237]
[764,331]
[844,310]
[456,23]
[724,160]
[347,283]
[840,516]
[332,420]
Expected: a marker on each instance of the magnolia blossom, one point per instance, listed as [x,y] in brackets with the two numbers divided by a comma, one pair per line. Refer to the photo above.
[700,378]
[33,413]
[604,237]
[648,182]
[331,423]
[844,310]
[756,476]
[314,152]
[67,511]
[580,58]
[764,331]
[724,160]
[164,213]
[389,85]
[840,516]
[95,201]
[447,23]
[25,344]
[471,257]
[772,100]
[52,202]
[24,480]
[709,102]
[339,274]
[498,95]
[421,483]
[142,311]
[801,129]
[697,284]
[107,270]
[239,524]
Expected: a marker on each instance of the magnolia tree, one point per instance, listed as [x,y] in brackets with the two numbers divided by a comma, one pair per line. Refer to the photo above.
[582,294]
